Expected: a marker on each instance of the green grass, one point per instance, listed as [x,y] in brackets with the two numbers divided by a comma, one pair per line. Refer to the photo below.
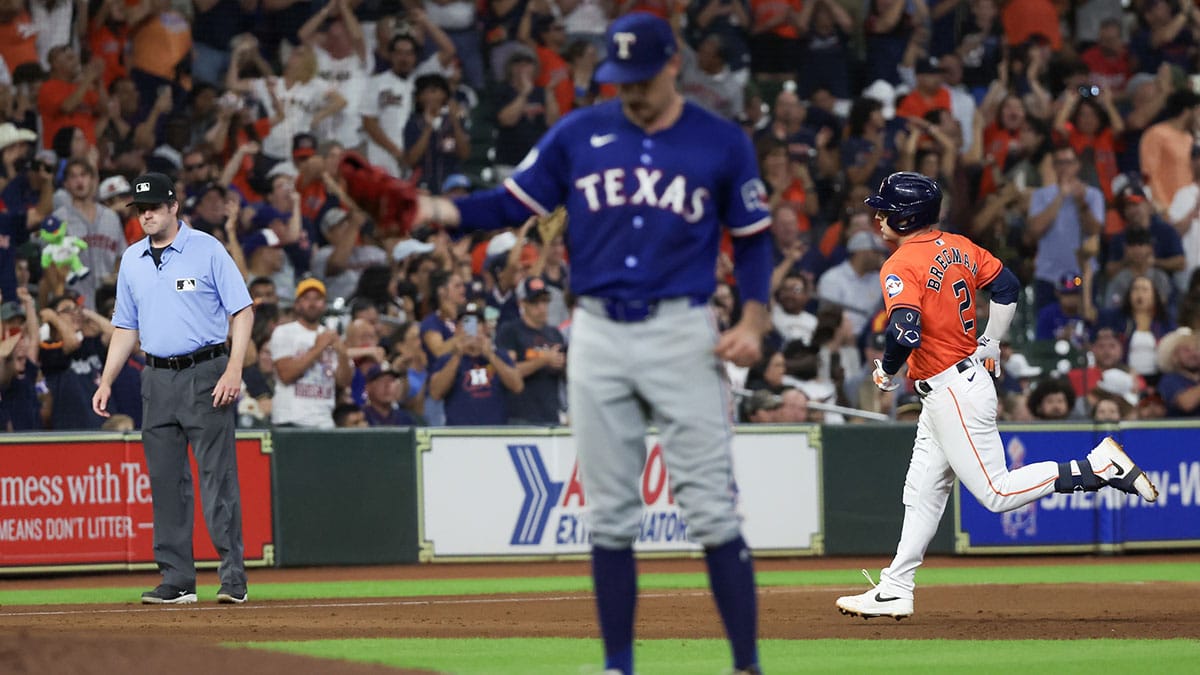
[561,656]
[401,588]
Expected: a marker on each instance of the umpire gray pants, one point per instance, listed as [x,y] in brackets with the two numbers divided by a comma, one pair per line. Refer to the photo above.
[177,410]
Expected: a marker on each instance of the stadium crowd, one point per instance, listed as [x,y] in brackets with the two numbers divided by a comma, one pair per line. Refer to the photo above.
[1063,134]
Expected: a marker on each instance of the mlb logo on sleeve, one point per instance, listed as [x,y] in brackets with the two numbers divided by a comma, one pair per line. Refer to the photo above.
[185,285]
[893,285]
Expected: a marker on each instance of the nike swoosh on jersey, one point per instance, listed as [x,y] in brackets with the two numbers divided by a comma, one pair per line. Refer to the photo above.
[599,141]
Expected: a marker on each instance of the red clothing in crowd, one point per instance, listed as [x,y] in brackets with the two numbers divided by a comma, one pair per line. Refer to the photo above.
[50,101]
[917,104]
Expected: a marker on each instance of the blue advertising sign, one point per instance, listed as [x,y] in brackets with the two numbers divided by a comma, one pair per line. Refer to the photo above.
[1106,520]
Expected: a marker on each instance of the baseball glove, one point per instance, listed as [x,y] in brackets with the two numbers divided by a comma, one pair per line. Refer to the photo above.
[552,225]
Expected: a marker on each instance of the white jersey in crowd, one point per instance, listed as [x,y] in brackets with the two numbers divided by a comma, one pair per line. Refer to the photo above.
[1181,207]
[794,326]
[309,401]
[300,103]
[451,16]
[105,238]
[389,97]
[349,76]
[342,285]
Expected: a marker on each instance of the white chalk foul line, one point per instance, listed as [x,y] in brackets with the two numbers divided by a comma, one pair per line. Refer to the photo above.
[384,603]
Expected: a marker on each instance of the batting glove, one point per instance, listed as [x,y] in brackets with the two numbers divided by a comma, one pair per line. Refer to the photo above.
[884,381]
[987,354]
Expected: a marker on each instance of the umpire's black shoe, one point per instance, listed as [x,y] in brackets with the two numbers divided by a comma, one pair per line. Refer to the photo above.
[232,595]
[166,594]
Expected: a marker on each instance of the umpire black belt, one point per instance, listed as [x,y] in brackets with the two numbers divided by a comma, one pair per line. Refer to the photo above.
[186,360]
[633,311]
[926,387]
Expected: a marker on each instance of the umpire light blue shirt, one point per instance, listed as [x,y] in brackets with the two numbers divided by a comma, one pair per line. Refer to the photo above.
[644,210]
[183,304]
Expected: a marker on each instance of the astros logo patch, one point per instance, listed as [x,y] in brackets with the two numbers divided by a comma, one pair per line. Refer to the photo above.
[893,285]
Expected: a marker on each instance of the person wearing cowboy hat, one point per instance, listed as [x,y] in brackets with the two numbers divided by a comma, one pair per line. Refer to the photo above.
[14,146]
[1179,361]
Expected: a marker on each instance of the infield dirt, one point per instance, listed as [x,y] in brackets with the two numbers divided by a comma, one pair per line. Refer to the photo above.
[102,638]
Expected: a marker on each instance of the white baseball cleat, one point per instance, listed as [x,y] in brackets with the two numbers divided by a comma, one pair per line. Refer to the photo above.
[875,602]
[1121,473]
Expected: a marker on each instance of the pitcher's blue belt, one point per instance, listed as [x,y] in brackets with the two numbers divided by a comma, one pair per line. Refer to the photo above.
[633,311]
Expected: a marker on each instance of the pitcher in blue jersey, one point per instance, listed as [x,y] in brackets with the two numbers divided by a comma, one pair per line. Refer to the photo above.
[648,180]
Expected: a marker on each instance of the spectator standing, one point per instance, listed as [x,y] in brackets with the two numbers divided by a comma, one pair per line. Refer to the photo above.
[1108,60]
[456,18]
[311,363]
[297,102]
[388,99]
[524,112]
[20,401]
[1060,217]
[473,378]
[72,95]
[107,37]
[1184,216]
[854,284]
[1145,321]
[94,223]
[72,360]
[214,25]
[343,62]
[888,28]
[825,28]
[1092,125]
[340,264]
[708,80]
[774,38]
[160,41]
[539,352]
[18,35]
[435,137]
[1165,151]
[1140,216]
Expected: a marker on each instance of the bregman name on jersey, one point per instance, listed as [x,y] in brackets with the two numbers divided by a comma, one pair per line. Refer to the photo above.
[948,256]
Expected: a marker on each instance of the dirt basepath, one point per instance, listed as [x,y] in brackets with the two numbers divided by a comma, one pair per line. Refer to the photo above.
[100,636]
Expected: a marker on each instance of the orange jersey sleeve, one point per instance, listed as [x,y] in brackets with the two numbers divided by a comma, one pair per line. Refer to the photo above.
[938,274]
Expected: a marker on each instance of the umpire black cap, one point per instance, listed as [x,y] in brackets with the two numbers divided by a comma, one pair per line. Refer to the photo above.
[153,188]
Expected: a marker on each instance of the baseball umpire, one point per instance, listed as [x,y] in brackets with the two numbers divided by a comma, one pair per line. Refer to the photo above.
[929,288]
[176,290]
[647,180]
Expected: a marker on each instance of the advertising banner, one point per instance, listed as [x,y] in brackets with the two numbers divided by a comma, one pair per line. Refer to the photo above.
[521,496]
[1107,520]
[82,502]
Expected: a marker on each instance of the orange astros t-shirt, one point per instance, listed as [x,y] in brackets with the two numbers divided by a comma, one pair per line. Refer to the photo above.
[938,274]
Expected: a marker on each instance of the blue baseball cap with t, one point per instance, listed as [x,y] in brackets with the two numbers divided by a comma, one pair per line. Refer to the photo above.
[638,45]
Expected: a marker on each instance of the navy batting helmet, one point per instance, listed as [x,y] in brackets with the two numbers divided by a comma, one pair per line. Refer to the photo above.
[911,200]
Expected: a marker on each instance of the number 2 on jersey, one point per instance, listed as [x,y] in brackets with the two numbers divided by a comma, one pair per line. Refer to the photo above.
[964,295]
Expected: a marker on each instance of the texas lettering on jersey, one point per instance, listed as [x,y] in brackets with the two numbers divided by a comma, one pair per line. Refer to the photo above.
[609,188]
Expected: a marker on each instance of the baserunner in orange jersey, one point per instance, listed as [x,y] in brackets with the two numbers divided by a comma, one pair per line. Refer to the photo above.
[929,289]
